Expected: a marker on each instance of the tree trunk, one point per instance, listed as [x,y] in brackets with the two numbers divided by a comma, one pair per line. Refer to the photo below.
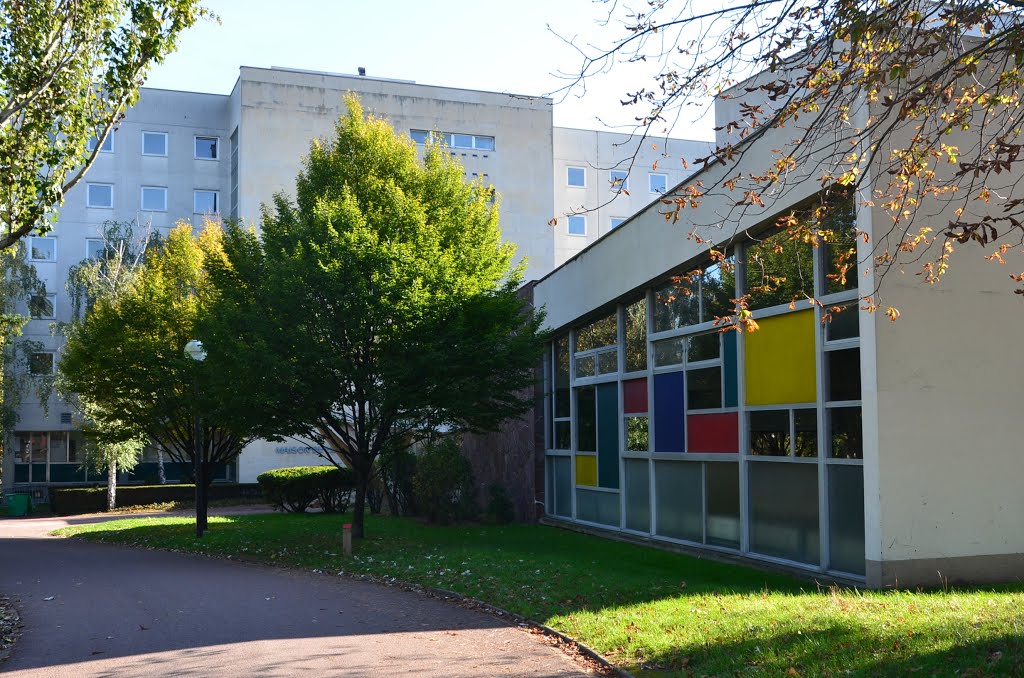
[200,480]
[160,475]
[359,510]
[111,485]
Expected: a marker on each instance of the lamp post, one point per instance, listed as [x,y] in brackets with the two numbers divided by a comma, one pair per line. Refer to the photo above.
[194,350]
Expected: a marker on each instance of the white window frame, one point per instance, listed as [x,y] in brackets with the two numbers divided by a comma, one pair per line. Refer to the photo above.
[620,186]
[569,222]
[195,154]
[142,198]
[568,171]
[30,248]
[650,183]
[53,308]
[100,242]
[146,133]
[107,147]
[88,196]
[216,201]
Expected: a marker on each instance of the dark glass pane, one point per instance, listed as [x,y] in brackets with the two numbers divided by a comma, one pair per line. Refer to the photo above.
[563,435]
[678,492]
[586,419]
[704,388]
[563,486]
[637,434]
[780,269]
[608,362]
[846,518]
[703,347]
[718,289]
[636,336]
[843,374]
[585,366]
[676,305]
[723,502]
[840,248]
[844,322]
[562,377]
[806,424]
[638,496]
[784,511]
[769,433]
[846,432]
[603,332]
[669,352]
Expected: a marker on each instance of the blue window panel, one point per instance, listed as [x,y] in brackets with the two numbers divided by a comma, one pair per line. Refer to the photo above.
[669,427]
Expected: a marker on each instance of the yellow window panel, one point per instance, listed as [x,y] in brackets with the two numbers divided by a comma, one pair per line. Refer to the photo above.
[586,470]
[780,360]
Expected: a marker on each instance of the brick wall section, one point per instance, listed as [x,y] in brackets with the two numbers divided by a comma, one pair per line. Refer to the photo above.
[514,455]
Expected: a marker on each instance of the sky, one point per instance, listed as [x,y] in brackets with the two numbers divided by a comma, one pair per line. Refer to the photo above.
[480,44]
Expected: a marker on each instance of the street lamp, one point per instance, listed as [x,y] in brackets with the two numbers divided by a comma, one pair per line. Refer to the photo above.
[194,350]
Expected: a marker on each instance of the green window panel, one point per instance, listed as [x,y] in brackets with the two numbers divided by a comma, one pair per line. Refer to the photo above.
[608,435]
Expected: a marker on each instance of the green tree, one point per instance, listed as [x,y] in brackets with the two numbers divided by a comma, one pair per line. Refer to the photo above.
[377,307]
[68,72]
[126,360]
[912,105]
[110,445]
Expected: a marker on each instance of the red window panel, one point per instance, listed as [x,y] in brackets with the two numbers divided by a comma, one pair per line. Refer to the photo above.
[713,432]
[634,396]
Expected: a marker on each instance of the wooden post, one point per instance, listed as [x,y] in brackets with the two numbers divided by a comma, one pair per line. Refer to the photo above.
[346,539]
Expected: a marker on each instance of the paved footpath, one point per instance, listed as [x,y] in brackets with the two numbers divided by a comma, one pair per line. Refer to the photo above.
[96,610]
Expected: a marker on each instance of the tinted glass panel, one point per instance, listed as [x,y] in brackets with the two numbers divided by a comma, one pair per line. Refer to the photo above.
[563,486]
[680,500]
[636,336]
[608,362]
[704,388]
[846,432]
[562,377]
[840,248]
[702,347]
[843,374]
[585,366]
[806,424]
[603,332]
[669,352]
[723,504]
[769,433]
[846,518]
[586,419]
[676,305]
[844,323]
[784,511]
[563,435]
[598,507]
[638,495]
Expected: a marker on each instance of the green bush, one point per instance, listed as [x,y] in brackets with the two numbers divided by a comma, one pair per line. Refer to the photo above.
[295,489]
[500,509]
[443,484]
[75,500]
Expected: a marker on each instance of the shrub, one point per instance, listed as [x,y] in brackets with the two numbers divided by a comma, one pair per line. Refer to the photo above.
[500,509]
[443,484]
[75,500]
[295,489]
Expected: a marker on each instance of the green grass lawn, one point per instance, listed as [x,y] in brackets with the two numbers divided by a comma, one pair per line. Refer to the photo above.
[652,612]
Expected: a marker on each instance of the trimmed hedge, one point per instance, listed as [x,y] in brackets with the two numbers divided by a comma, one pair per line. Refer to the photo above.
[74,500]
[296,488]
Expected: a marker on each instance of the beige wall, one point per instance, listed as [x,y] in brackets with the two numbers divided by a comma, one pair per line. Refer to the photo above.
[282,111]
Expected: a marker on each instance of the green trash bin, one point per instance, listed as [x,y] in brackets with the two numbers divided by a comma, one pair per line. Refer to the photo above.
[18,505]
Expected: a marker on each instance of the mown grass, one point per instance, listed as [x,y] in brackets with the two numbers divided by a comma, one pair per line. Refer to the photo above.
[652,612]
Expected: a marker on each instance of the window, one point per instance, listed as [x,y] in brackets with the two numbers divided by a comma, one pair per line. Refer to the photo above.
[699,296]
[477,142]
[154,199]
[206,202]
[42,249]
[99,195]
[41,363]
[619,180]
[576,177]
[617,221]
[207,148]
[43,306]
[784,433]
[658,183]
[94,248]
[154,143]
[108,144]
[577,225]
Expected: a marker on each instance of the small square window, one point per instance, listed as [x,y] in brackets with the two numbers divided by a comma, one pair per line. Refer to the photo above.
[94,248]
[206,202]
[108,144]
[617,221]
[43,306]
[577,225]
[619,180]
[207,148]
[42,249]
[576,177]
[40,363]
[658,183]
[154,199]
[99,195]
[154,143]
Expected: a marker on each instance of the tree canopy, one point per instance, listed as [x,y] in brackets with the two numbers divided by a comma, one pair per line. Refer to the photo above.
[68,72]
[378,306]
[913,106]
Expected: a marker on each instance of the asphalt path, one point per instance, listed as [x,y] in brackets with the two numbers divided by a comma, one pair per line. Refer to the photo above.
[93,610]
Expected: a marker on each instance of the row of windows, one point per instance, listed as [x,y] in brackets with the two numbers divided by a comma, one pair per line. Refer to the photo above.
[476,142]
[618,180]
[155,144]
[577,223]
[151,198]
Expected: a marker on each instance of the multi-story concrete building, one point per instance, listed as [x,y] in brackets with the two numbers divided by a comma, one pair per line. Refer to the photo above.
[185,155]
